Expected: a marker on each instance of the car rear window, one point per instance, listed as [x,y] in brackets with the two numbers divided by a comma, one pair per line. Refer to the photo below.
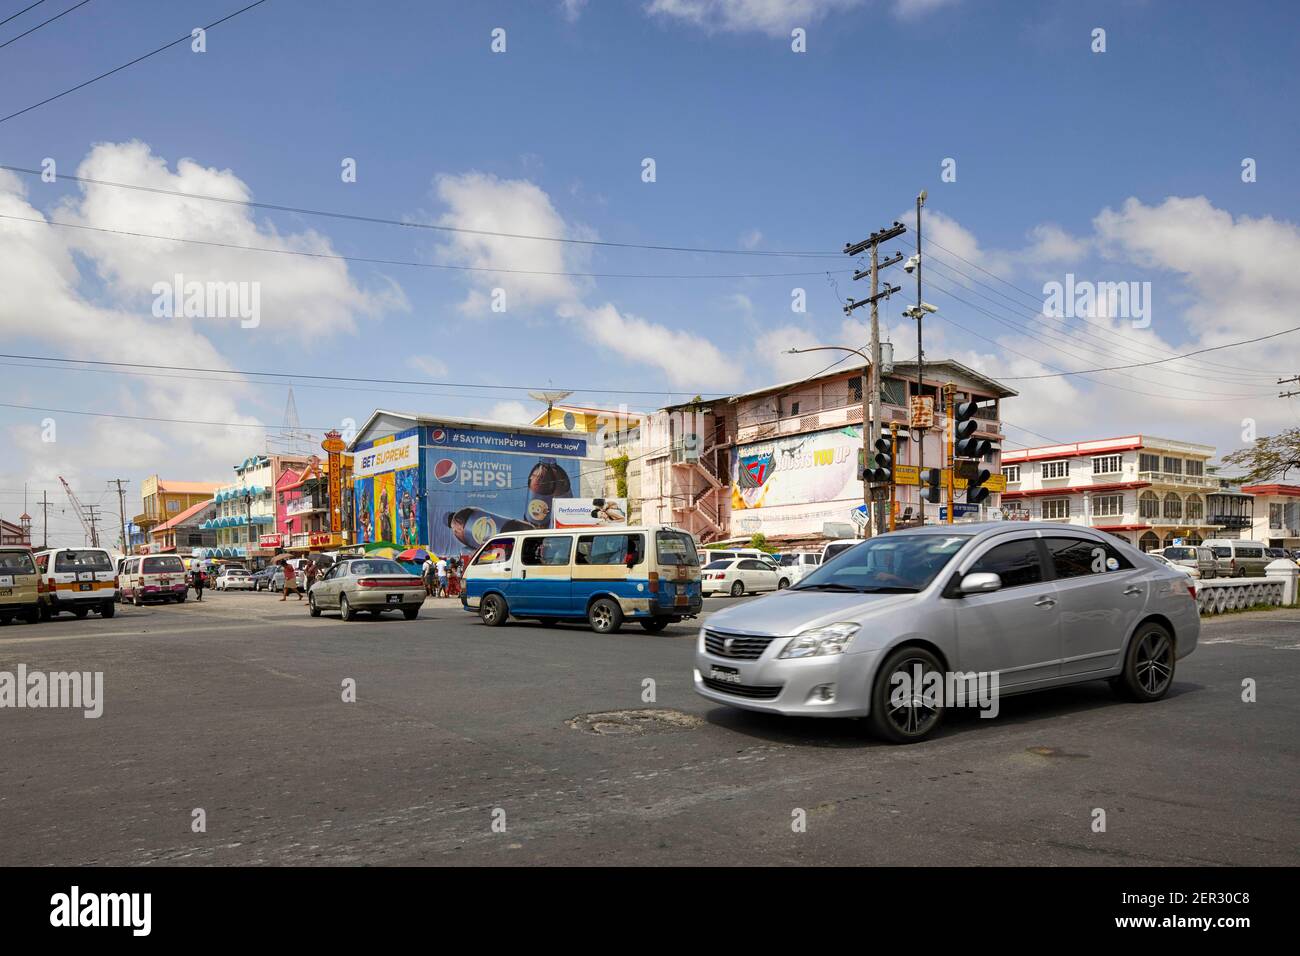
[673,547]
[718,565]
[69,561]
[376,566]
[1179,554]
[16,562]
[833,549]
[167,564]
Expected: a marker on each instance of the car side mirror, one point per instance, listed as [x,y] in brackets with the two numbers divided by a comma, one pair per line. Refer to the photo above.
[981,582]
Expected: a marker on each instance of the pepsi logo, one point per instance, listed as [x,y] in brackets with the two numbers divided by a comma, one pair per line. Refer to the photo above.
[445,470]
[439,437]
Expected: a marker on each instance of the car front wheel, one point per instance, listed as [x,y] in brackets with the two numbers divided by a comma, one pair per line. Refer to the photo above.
[493,611]
[903,708]
[312,607]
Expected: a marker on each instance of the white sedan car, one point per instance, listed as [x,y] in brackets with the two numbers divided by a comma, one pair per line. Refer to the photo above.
[741,575]
[234,579]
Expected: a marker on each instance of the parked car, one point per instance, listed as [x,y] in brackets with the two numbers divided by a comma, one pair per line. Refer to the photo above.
[1190,572]
[21,594]
[1199,560]
[795,564]
[1037,604]
[1238,559]
[740,575]
[79,580]
[262,580]
[367,584]
[1277,554]
[233,577]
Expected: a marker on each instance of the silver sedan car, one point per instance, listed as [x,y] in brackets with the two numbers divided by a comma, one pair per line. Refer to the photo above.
[367,584]
[904,626]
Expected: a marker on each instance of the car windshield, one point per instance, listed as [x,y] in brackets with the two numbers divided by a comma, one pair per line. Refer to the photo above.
[890,563]
[16,562]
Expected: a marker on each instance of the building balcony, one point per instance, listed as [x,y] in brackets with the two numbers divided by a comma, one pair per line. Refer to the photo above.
[1182,481]
[1231,522]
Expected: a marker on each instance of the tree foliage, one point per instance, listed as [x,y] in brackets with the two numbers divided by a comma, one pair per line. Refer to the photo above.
[1270,457]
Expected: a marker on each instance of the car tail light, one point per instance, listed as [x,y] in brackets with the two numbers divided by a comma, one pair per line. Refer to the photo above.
[1191,589]
[51,584]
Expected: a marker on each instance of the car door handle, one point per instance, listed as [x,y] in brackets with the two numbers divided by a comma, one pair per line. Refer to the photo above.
[1045,601]
[1132,589]
[523,574]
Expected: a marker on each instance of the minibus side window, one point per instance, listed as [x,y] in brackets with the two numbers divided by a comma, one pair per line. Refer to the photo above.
[551,552]
[498,551]
[604,549]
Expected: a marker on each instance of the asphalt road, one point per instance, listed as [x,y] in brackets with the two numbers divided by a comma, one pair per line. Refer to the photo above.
[235,707]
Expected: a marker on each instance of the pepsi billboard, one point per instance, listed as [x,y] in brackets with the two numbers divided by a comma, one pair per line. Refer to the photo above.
[482,483]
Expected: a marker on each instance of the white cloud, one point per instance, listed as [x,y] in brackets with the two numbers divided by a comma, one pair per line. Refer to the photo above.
[481,201]
[686,359]
[572,9]
[751,239]
[511,412]
[771,349]
[428,365]
[773,17]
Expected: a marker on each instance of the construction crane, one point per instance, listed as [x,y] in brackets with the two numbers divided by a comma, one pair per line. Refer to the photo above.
[91,532]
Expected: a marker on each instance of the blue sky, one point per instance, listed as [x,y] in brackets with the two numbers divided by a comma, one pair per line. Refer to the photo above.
[1115,166]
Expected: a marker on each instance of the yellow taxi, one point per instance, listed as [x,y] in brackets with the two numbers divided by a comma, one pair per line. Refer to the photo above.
[20,591]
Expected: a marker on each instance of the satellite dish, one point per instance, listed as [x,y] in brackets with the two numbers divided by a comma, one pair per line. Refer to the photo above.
[570,423]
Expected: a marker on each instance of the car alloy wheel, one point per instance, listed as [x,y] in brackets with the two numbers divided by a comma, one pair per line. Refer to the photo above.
[493,611]
[604,616]
[737,589]
[910,717]
[345,609]
[1149,665]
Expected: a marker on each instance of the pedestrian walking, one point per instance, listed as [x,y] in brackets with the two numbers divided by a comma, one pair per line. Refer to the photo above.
[198,579]
[428,571]
[442,577]
[290,582]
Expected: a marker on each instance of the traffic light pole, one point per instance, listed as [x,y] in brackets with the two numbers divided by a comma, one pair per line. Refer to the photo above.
[893,482]
[949,391]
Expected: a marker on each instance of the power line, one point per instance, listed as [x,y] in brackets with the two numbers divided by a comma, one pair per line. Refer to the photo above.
[345,378]
[21,12]
[379,220]
[1036,299]
[117,69]
[408,262]
[43,23]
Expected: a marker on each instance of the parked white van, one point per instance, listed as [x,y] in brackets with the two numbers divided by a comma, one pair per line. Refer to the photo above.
[1238,559]
[79,580]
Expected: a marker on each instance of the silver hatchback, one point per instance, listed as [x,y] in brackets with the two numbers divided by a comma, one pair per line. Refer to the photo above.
[906,625]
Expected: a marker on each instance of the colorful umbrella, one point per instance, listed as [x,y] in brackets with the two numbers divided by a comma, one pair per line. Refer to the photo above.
[381,552]
[416,554]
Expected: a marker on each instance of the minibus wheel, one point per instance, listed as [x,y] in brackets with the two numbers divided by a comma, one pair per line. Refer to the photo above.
[492,610]
[107,609]
[654,624]
[81,612]
[604,616]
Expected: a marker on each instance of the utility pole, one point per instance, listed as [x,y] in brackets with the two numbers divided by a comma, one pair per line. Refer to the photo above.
[1288,381]
[871,424]
[121,511]
[45,522]
[93,519]
[920,354]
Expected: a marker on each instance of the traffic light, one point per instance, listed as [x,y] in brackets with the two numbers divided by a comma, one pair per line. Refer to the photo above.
[965,444]
[883,472]
[975,490]
[932,484]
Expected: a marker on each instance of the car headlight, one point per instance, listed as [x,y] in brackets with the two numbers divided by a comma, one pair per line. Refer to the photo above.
[821,641]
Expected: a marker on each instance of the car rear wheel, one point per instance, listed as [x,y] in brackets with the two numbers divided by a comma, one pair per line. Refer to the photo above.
[493,611]
[738,589]
[312,607]
[136,599]
[655,624]
[604,616]
[107,609]
[901,711]
[32,615]
[345,609]
[782,584]
[1148,666]
[411,613]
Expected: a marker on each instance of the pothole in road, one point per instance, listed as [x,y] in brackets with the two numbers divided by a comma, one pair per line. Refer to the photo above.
[611,723]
